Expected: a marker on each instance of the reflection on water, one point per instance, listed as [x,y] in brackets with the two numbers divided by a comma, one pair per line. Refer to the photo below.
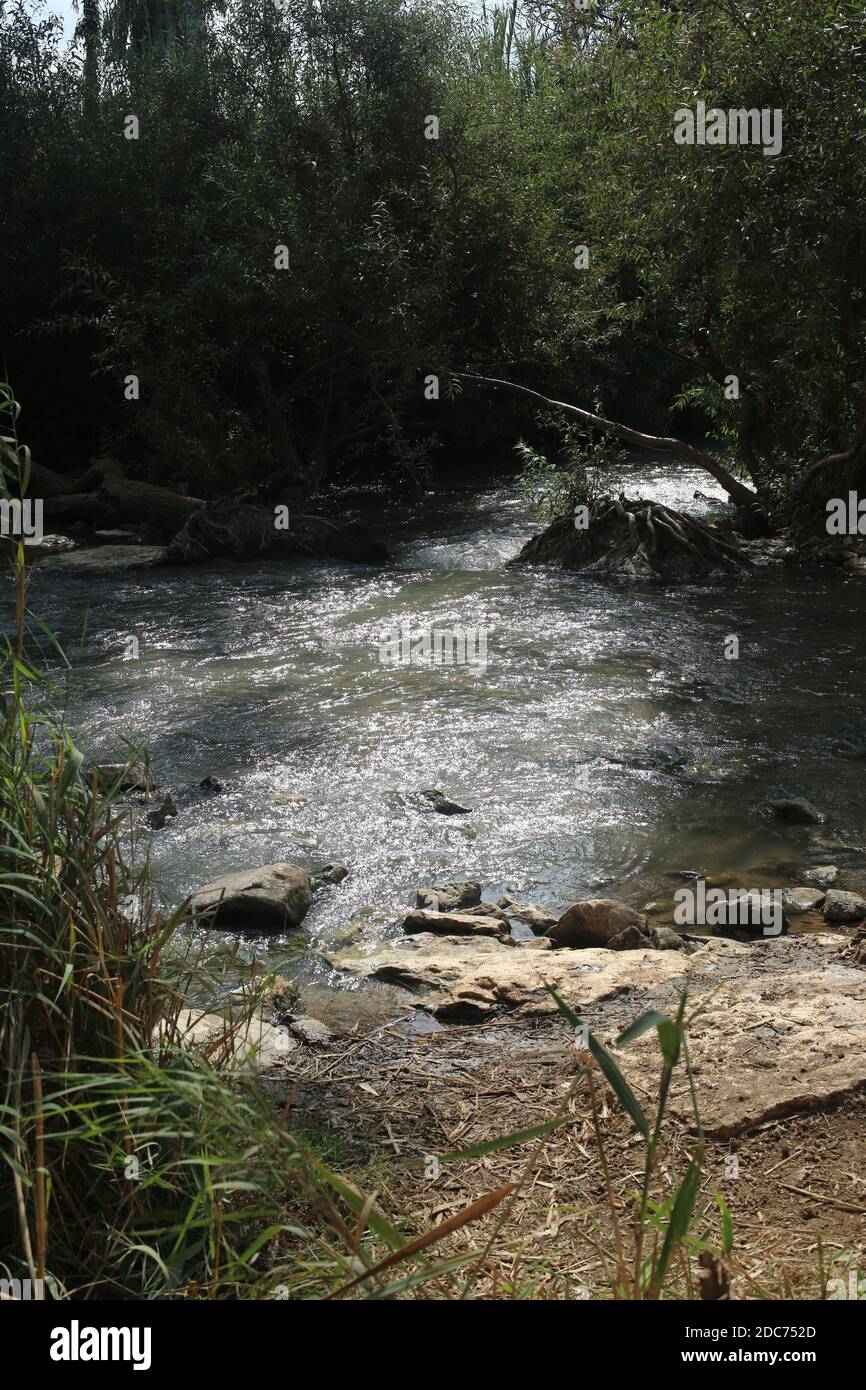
[607,745]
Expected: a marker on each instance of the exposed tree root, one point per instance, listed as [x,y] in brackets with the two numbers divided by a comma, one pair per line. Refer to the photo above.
[640,539]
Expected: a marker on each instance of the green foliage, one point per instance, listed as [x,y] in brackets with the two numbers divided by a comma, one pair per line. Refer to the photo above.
[304,126]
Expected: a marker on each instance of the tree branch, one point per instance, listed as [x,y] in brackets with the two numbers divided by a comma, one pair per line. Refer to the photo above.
[740,494]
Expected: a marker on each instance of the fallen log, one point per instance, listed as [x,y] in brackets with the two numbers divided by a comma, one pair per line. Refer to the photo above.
[158,508]
[249,532]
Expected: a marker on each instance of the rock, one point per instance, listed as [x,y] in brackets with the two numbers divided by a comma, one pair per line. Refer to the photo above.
[594,922]
[255,1046]
[122,777]
[444,805]
[210,784]
[484,910]
[666,939]
[247,532]
[105,559]
[454,924]
[802,899]
[117,536]
[471,978]
[823,874]
[279,999]
[445,897]
[49,545]
[271,898]
[310,1031]
[157,819]
[798,810]
[775,1033]
[330,873]
[843,907]
[630,939]
[533,916]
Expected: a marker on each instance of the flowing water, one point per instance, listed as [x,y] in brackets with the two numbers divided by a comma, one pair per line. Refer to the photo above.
[607,746]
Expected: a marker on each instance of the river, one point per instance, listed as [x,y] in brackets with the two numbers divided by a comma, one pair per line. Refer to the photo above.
[608,745]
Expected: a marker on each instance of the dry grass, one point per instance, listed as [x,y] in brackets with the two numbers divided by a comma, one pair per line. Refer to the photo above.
[392,1100]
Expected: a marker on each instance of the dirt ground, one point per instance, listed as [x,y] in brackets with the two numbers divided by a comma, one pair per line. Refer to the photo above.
[394,1104]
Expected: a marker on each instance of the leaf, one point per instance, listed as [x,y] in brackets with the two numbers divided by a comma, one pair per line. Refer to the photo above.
[473,1212]
[651,1019]
[508,1141]
[727,1224]
[624,1093]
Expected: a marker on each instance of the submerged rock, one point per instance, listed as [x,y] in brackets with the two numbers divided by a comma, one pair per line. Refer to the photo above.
[823,874]
[157,819]
[271,898]
[104,559]
[443,804]
[49,545]
[122,777]
[211,785]
[330,873]
[803,899]
[798,810]
[596,922]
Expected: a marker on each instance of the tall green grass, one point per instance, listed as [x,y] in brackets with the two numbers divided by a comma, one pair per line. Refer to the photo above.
[131,1164]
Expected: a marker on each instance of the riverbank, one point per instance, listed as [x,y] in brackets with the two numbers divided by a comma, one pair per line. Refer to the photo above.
[776,1040]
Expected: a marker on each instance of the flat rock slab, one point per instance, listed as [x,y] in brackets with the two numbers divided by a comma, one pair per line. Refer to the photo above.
[472,978]
[465,923]
[105,559]
[783,1033]
[781,1026]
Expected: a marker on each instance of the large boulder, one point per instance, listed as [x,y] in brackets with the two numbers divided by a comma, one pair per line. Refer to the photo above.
[596,922]
[271,898]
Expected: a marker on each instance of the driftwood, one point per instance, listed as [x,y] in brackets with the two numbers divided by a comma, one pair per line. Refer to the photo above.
[738,492]
[195,529]
[248,532]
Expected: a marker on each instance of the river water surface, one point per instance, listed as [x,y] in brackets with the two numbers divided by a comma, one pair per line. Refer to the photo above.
[608,746]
